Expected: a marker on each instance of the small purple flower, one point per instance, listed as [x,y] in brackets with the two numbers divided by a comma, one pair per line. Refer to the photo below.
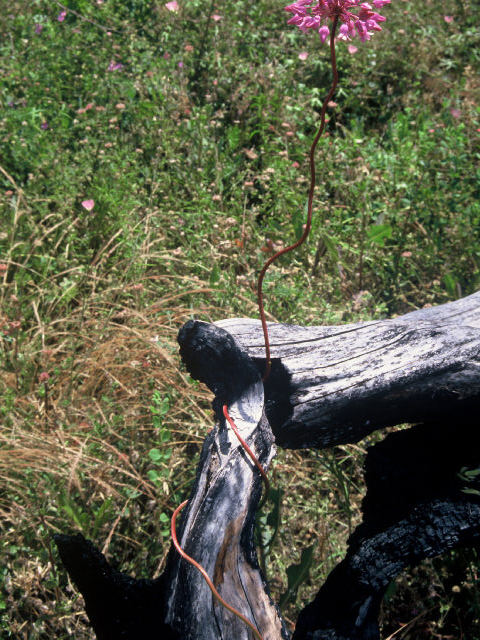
[115,66]
[38,28]
[180,65]
[62,15]
[44,125]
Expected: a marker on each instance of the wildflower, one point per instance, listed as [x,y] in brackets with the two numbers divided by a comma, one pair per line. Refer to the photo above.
[3,267]
[44,377]
[85,108]
[88,204]
[172,6]
[115,66]
[38,28]
[44,126]
[216,17]
[448,19]
[303,55]
[456,113]
[315,14]
[62,15]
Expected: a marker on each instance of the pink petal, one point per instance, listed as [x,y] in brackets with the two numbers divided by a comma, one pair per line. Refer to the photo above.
[61,16]
[172,6]
[88,204]
[303,55]
[216,17]
[352,49]
[324,33]
[448,19]
[456,113]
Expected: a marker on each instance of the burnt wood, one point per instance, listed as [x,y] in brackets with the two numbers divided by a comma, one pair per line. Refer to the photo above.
[328,385]
[416,507]
[218,523]
[335,385]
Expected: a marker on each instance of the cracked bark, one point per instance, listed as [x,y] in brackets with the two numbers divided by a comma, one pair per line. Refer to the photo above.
[329,385]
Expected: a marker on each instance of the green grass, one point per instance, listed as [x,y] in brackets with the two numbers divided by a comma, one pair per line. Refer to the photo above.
[191,135]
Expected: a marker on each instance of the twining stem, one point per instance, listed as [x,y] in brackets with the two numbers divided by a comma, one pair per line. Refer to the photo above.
[311,191]
[250,453]
[205,575]
[261,277]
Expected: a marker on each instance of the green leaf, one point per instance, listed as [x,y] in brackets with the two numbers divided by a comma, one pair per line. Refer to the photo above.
[234,135]
[153,475]
[378,233]
[165,435]
[102,516]
[450,285]
[472,492]
[298,220]
[332,246]
[155,455]
[214,275]
[296,574]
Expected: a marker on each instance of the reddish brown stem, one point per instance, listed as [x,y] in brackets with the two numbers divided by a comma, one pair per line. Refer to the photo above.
[205,575]
[265,334]
[250,453]
[308,224]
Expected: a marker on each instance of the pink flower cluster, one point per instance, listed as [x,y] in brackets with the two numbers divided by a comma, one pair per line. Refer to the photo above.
[355,17]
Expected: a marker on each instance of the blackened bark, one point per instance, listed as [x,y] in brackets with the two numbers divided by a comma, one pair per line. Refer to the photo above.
[119,607]
[329,385]
[335,385]
[420,503]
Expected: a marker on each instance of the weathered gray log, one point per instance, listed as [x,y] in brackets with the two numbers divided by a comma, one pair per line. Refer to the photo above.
[328,385]
[218,523]
[334,385]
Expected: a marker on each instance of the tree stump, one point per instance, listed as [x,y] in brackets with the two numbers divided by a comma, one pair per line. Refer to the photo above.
[328,386]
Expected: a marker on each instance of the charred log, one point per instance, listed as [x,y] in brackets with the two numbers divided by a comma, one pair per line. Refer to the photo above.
[420,503]
[329,385]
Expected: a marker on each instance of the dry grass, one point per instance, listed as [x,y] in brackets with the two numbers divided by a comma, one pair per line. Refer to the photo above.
[82,438]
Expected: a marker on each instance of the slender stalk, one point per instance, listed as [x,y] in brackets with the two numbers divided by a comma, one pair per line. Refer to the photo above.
[205,575]
[308,224]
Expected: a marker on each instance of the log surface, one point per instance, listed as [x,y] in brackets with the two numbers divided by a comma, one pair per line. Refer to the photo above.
[336,384]
[328,385]
[218,524]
